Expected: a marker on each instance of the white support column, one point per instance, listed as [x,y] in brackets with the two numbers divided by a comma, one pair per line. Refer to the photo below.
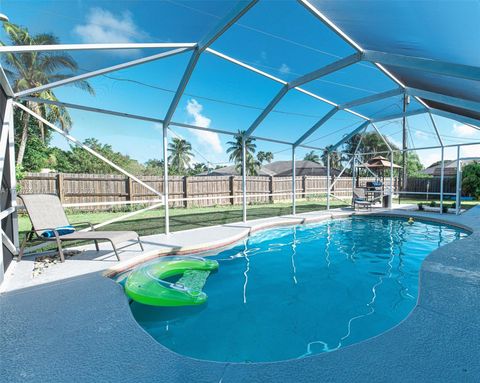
[458,184]
[244,180]
[354,161]
[13,175]
[328,181]
[442,174]
[294,183]
[165,178]
[391,181]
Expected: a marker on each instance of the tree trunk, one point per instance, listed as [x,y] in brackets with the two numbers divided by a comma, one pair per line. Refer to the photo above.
[23,140]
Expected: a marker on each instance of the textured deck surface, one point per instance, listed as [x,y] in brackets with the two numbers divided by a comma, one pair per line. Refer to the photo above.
[80,329]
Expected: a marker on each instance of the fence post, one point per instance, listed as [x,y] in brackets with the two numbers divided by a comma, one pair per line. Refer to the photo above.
[185,191]
[129,187]
[304,186]
[60,189]
[270,189]
[231,186]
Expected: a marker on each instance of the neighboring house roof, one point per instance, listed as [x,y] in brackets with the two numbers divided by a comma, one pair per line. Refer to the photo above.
[450,168]
[279,169]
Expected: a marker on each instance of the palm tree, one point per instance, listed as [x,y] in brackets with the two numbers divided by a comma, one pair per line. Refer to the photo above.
[312,156]
[264,157]
[235,151]
[181,154]
[32,69]
[335,158]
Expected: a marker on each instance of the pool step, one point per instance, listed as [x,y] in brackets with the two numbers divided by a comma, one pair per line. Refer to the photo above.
[194,279]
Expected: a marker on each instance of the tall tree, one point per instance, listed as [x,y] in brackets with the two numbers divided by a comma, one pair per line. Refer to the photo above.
[312,156]
[180,155]
[335,158]
[264,157]
[235,152]
[31,69]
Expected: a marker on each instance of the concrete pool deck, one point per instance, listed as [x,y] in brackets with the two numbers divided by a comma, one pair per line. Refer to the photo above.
[71,324]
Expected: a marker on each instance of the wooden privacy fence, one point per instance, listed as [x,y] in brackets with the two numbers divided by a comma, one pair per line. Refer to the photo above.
[207,190]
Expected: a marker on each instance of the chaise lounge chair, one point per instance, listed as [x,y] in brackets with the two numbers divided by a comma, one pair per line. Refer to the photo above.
[359,199]
[49,223]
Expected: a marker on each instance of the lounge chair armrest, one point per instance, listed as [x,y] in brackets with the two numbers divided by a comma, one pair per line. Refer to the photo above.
[85,224]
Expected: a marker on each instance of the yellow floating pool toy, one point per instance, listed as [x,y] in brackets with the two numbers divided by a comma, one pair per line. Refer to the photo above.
[411,221]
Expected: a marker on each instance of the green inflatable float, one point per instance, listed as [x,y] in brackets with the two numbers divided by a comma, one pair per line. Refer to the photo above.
[146,284]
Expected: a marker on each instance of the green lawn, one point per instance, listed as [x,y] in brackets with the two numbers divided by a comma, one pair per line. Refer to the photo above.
[465,204]
[152,222]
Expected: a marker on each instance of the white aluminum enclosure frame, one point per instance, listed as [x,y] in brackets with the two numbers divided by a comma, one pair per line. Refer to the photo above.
[203,46]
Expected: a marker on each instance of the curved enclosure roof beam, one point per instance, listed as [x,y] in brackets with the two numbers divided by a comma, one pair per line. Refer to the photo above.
[382,137]
[103,71]
[444,99]
[348,136]
[400,115]
[453,116]
[91,47]
[221,28]
[372,98]
[423,64]
[316,74]
[320,122]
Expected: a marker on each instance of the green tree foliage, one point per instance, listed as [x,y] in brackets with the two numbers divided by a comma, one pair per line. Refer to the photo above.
[81,161]
[373,143]
[312,156]
[471,180]
[153,168]
[180,155]
[30,70]
[264,157]
[235,152]
[335,158]
[197,169]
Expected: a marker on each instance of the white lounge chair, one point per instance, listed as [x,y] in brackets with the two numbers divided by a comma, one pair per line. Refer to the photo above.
[50,223]
[359,199]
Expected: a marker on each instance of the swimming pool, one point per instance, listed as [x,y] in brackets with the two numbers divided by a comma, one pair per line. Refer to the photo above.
[295,291]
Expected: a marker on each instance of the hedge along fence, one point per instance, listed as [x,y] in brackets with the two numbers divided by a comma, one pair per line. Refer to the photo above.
[210,190]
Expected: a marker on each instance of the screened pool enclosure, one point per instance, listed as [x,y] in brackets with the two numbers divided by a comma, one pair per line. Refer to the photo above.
[323,71]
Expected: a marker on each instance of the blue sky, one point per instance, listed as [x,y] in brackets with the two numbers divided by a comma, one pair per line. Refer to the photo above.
[280,38]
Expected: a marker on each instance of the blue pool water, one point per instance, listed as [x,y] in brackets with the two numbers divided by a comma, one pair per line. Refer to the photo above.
[295,291]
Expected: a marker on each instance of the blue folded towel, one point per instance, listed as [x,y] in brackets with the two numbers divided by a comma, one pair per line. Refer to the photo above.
[69,229]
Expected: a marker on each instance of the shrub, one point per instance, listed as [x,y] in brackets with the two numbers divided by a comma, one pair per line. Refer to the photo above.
[471,180]
[433,204]
[420,206]
[445,208]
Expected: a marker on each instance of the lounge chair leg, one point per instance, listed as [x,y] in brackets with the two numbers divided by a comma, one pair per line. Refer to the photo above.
[28,237]
[22,247]
[59,247]
[115,250]
[96,246]
[141,244]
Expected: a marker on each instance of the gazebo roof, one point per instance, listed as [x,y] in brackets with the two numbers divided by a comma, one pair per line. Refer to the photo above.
[379,162]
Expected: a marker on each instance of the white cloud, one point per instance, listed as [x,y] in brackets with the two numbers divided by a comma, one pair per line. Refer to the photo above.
[102,26]
[421,135]
[463,130]
[212,139]
[470,151]
[284,69]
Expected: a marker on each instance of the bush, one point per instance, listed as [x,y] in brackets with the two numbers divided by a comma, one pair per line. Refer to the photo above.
[445,208]
[471,180]
[433,204]
[420,206]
